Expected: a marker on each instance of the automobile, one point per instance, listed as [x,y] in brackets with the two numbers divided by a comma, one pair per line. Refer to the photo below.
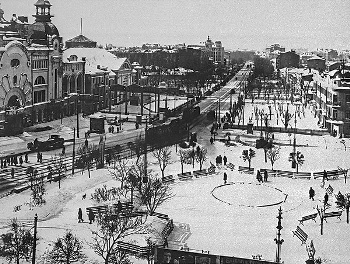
[54,142]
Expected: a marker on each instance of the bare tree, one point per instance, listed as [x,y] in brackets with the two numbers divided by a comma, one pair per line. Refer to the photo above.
[248,155]
[201,156]
[87,155]
[343,202]
[17,244]
[163,156]
[67,249]
[286,117]
[153,193]
[344,172]
[38,190]
[273,154]
[184,157]
[139,146]
[58,167]
[120,170]
[111,229]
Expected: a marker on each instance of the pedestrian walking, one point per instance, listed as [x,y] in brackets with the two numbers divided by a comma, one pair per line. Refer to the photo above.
[2,163]
[38,157]
[165,245]
[326,199]
[12,172]
[86,142]
[80,216]
[20,160]
[91,216]
[211,140]
[311,193]
[63,150]
[325,177]
[41,157]
[26,158]
[258,175]
[220,159]
[265,176]
[225,177]
[225,160]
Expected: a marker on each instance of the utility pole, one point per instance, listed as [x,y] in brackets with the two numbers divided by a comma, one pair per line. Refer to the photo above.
[145,160]
[278,239]
[34,237]
[77,116]
[73,159]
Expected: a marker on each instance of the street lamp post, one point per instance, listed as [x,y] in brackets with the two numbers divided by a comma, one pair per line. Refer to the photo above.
[278,239]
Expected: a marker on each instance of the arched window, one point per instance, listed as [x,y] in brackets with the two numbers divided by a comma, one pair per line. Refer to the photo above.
[39,80]
[15,80]
[14,62]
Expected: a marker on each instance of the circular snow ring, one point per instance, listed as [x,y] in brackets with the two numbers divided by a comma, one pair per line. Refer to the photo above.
[246,194]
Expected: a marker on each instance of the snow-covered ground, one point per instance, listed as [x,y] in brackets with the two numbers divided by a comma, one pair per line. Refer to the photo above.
[224,219]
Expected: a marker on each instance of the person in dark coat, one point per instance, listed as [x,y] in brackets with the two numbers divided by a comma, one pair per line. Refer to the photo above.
[325,177]
[311,193]
[91,216]
[225,177]
[80,216]
[265,176]
[12,172]
[220,159]
[20,160]
[26,158]
[211,140]
[326,198]
[38,157]
[225,160]
[258,176]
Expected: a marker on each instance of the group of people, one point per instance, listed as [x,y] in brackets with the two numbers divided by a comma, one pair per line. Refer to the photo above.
[13,161]
[39,157]
[91,216]
[219,159]
[260,177]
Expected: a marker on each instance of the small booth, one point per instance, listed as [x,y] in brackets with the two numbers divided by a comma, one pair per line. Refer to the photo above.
[97,124]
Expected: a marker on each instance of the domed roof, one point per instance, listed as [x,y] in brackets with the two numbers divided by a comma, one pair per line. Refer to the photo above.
[40,30]
[42,3]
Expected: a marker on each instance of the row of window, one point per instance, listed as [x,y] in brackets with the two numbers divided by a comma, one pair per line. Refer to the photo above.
[40,64]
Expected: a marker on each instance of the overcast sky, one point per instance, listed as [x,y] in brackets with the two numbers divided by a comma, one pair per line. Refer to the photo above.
[243,24]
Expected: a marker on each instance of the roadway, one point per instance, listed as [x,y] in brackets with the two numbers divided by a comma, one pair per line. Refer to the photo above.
[19,144]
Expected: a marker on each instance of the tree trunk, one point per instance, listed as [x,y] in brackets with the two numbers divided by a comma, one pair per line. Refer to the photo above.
[249,164]
[182,168]
[162,174]
[89,171]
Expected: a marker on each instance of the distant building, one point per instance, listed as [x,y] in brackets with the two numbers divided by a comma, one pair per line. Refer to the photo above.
[80,42]
[287,60]
[275,47]
[102,69]
[332,95]
[216,50]
[316,63]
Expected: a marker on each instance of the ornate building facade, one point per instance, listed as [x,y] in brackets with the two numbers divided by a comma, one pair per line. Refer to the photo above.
[31,67]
